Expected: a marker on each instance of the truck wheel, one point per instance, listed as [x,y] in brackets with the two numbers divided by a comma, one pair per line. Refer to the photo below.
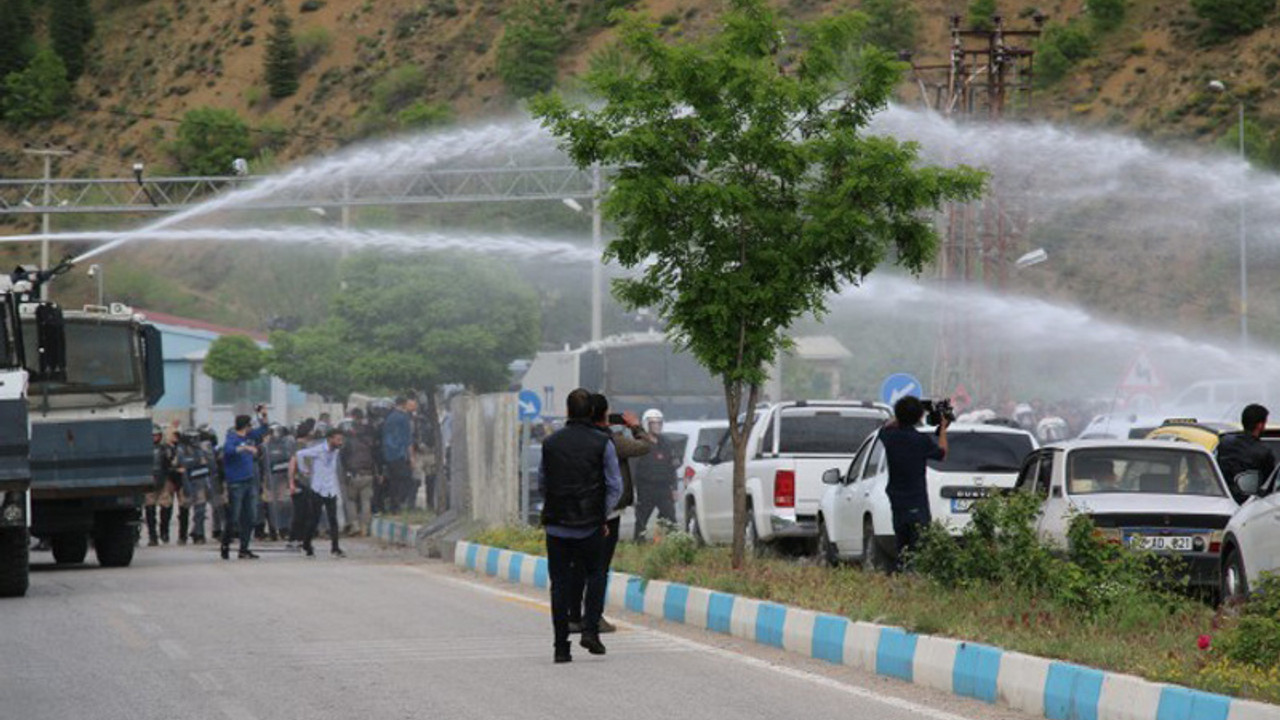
[70,548]
[113,541]
[14,562]
[828,554]
[873,558]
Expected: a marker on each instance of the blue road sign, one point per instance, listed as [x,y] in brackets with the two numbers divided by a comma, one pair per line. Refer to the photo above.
[530,405]
[898,386]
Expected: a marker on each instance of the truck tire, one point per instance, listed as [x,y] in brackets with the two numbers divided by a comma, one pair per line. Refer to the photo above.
[113,541]
[15,562]
[69,548]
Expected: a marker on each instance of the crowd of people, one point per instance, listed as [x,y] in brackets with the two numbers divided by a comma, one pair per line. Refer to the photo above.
[267,481]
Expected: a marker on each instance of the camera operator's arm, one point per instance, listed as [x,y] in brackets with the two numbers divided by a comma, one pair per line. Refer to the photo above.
[942,439]
[639,443]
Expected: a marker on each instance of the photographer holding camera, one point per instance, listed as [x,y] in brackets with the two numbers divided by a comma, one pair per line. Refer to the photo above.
[907,451]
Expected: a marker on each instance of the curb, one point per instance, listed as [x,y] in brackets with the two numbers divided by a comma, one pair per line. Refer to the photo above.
[394,533]
[1044,688]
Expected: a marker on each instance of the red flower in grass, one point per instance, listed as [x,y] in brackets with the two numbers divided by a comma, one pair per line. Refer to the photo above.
[1203,642]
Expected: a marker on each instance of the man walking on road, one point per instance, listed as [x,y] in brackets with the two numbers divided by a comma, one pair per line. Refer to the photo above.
[581,482]
[908,451]
[320,462]
[1241,452]
[238,454]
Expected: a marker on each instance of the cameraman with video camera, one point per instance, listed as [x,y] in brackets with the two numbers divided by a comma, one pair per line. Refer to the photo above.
[907,451]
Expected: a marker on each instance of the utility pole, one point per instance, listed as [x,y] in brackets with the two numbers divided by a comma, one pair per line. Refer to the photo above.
[1244,258]
[48,154]
[597,263]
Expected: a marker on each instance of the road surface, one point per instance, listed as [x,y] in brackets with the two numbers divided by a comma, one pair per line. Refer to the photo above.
[383,634]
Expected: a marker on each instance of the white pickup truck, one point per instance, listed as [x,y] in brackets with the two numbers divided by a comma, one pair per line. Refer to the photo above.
[789,448]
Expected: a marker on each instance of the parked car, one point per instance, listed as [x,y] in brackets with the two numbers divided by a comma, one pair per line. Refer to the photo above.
[1157,495]
[1251,542]
[855,521]
[684,437]
[1204,434]
[790,446]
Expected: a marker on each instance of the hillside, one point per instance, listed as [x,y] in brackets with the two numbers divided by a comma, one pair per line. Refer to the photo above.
[151,61]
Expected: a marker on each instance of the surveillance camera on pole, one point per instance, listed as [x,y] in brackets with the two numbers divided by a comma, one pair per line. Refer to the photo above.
[137,172]
[240,167]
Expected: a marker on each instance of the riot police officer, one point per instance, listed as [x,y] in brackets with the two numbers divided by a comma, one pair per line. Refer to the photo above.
[165,478]
[655,476]
[277,451]
[194,464]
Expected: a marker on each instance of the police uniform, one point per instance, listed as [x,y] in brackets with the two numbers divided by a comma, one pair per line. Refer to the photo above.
[194,461]
[276,454]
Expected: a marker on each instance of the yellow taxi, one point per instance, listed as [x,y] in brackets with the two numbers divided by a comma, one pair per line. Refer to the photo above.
[1204,434]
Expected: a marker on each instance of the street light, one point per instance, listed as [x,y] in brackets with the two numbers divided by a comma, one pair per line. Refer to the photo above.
[1219,87]
[95,271]
[1035,257]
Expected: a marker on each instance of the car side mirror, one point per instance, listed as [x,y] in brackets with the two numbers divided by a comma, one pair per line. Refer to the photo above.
[1248,482]
[702,454]
[831,477]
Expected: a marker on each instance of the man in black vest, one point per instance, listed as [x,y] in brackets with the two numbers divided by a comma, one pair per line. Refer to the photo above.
[581,481]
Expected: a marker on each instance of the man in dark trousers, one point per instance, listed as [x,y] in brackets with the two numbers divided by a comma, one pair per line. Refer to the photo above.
[1244,451]
[907,451]
[397,455]
[629,441]
[238,453]
[581,482]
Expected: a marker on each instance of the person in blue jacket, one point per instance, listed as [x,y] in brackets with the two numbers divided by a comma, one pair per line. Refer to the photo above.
[238,456]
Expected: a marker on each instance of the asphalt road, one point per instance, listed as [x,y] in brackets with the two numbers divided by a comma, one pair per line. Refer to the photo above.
[382,634]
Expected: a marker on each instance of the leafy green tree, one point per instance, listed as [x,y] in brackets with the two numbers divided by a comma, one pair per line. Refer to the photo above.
[41,92]
[1107,15]
[282,56]
[209,139]
[315,359]
[1232,18]
[891,24]
[980,13]
[70,29]
[234,359]
[747,188]
[17,36]
[530,46]
[1059,49]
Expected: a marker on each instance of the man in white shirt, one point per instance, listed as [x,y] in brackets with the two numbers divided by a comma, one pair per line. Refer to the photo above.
[321,463]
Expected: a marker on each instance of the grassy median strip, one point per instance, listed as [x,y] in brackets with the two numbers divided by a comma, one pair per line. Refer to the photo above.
[1160,636]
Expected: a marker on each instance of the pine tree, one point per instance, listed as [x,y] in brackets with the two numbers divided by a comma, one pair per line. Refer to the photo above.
[17,36]
[41,92]
[282,56]
[70,28]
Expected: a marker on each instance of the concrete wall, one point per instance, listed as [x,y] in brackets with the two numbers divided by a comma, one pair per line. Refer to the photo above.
[484,461]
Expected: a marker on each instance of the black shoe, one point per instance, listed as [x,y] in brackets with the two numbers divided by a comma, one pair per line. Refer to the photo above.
[310,552]
[152,542]
[607,627]
[575,627]
[592,643]
[226,552]
[197,539]
[247,555]
[563,656]
[337,553]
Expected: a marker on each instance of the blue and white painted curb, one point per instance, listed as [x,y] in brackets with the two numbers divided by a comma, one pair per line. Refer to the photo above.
[394,533]
[1041,687]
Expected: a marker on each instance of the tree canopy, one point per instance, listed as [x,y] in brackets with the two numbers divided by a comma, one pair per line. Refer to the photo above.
[209,139]
[234,358]
[282,67]
[747,187]
[40,92]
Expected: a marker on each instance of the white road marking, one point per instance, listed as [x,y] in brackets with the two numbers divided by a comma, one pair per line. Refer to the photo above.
[173,650]
[747,660]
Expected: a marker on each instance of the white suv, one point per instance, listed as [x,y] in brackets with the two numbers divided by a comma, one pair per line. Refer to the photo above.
[1251,542]
[854,517]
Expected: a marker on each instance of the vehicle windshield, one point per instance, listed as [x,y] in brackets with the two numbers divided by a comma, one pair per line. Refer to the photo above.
[984,452]
[823,431]
[100,358]
[1145,471]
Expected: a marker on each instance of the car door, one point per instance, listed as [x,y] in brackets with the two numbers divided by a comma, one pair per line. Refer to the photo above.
[1264,536]
[841,525]
[1050,486]
[717,494]
[865,491]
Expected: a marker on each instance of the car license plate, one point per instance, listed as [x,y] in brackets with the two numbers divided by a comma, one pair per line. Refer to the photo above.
[1175,543]
[961,505]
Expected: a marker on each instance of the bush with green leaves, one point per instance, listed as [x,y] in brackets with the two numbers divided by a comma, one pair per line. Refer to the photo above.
[1106,15]
[981,12]
[1232,18]
[399,87]
[234,358]
[891,24]
[282,56]
[70,29]
[209,139]
[1059,49]
[1255,640]
[531,46]
[313,44]
[422,115]
[40,92]
[17,36]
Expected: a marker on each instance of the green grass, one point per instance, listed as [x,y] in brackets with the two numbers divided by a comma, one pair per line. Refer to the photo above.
[411,517]
[1155,641]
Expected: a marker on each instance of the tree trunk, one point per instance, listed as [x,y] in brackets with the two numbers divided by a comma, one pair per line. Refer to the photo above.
[741,421]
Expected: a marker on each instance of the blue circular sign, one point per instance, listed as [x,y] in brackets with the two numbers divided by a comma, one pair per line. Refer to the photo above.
[530,405]
[899,385]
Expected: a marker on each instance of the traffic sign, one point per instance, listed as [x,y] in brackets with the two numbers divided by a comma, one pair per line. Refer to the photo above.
[898,386]
[530,405]
[1141,376]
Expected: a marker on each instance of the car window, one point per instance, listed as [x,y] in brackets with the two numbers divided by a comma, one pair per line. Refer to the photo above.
[710,437]
[1044,475]
[1027,477]
[824,431]
[855,467]
[875,461]
[724,453]
[984,452]
[1145,471]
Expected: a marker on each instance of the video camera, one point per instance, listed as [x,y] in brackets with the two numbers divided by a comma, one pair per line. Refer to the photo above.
[936,410]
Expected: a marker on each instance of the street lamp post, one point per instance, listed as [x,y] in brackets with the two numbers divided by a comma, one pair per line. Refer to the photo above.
[1219,86]
[597,264]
